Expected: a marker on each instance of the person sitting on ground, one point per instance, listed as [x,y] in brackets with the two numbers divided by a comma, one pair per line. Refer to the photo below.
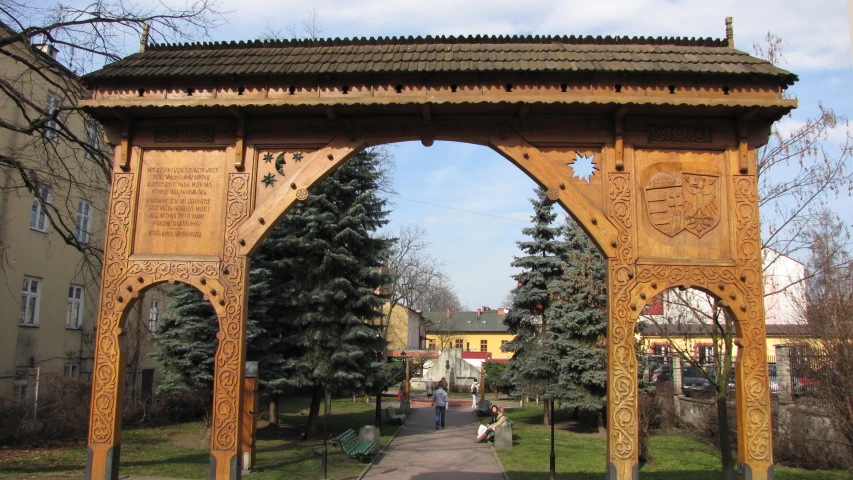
[490,428]
[494,412]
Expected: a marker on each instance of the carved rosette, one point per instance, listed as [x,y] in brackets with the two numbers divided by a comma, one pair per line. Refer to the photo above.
[105,381]
[622,382]
[229,354]
[755,392]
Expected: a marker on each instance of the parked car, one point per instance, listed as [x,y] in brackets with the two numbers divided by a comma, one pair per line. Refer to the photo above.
[771,376]
[693,382]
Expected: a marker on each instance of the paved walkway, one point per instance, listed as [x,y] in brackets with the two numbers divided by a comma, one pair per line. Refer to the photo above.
[420,452]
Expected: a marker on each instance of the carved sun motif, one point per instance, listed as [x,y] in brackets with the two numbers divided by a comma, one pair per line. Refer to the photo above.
[279,164]
[269,180]
[267,157]
[583,167]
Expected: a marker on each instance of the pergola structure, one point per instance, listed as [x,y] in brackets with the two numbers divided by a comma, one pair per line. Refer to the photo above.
[215,142]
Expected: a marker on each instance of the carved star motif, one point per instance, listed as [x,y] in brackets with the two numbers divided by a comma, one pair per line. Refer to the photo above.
[268,157]
[297,156]
[583,167]
[269,180]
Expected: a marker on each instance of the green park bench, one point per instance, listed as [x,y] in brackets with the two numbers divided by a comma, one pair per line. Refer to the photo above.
[484,407]
[351,445]
[394,417]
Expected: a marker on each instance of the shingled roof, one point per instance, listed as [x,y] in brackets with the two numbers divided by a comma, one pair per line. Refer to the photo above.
[487,321]
[442,54]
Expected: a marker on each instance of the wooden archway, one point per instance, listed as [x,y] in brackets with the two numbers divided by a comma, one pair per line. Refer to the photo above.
[214,143]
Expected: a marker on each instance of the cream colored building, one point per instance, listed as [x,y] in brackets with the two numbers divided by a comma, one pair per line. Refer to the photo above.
[49,294]
[482,331]
[406,329]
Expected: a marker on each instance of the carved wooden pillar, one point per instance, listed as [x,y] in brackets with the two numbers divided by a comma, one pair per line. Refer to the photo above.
[622,413]
[755,436]
[102,460]
[231,353]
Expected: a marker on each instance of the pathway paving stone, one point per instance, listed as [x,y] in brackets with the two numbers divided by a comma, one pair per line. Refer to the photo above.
[420,452]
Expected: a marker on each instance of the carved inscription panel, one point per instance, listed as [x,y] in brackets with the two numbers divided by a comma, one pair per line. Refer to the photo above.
[684,197]
[181,203]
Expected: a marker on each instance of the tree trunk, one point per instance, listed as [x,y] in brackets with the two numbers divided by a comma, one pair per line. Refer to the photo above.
[312,427]
[547,416]
[576,413]
[496,394]
[274,411]
[725,438]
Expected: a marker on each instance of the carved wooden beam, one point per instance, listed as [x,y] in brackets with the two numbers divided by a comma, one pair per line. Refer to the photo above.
[331,113]
[427,111]
[743,147]
[524,111]
[124,147]
[619,141]
[239,143]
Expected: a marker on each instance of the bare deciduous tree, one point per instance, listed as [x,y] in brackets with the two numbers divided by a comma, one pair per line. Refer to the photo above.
[58,154]
[414,272]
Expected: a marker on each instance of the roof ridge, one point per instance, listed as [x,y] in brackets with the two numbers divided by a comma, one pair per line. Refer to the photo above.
[450,40]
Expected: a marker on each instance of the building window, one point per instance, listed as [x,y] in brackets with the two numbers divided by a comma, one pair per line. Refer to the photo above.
[50,132]
[84,214]
[662,350]
[38,217]
[30,301]
[503,342]
[72,370]
[457,343]
[153,315]
[74,317]
[93,135]
[705,354]
[430,344]
[22,390]
[484,345]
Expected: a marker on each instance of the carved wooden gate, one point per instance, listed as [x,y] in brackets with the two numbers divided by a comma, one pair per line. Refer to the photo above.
[214,143]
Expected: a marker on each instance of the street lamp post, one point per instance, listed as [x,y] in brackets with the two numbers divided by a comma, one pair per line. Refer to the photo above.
[326,410]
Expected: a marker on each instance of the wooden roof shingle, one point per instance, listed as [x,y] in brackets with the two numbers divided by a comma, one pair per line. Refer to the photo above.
[442,54]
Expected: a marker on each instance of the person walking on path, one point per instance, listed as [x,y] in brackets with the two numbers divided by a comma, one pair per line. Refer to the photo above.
[439,399]
[475,389]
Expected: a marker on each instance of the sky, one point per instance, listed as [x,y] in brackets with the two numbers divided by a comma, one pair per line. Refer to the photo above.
[472,202]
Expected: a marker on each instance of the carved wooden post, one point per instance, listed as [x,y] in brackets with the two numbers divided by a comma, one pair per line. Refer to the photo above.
[755,436]
[622,433]
[231,353]
[102,460]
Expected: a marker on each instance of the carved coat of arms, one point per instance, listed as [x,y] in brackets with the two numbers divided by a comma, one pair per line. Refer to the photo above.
[690,203]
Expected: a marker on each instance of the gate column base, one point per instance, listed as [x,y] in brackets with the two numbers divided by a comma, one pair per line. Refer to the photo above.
[756,471]
[102,462]
[224,466]
[623,470]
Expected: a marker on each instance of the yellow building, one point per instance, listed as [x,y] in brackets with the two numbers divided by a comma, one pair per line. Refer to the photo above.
[482,330]
[406,329]
[50,294]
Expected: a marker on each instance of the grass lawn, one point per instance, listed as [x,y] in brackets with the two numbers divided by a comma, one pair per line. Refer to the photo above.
[181,451]
[580,453]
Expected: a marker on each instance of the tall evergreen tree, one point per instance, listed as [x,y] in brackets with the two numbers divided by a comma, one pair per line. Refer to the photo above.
[578,322]
[325,261]
[313,285]
[186,340]
[533,367]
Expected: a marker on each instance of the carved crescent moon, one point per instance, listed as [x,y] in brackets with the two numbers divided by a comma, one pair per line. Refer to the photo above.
[279,164]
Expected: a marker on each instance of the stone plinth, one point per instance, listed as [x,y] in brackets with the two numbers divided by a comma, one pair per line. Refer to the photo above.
[369,433]
[503,437]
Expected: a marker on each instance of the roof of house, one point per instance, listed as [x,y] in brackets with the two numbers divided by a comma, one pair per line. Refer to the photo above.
[443,54]
[487,321]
